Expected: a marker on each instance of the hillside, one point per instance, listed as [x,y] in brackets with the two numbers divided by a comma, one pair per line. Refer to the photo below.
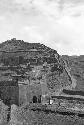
[18,48]
[76,64]
[21,59]
[39,73]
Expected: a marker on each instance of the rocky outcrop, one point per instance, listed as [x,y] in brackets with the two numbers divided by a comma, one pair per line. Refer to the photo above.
[3,113]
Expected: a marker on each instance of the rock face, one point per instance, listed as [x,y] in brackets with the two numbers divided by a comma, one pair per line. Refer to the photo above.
[3,113]
[38,69]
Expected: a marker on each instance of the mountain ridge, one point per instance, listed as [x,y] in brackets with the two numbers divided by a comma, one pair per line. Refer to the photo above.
[14,44]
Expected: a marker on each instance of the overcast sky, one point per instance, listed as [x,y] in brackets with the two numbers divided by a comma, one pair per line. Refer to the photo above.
[56,23]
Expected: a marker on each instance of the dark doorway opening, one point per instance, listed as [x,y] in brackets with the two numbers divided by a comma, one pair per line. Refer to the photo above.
[34,99]
[39,99]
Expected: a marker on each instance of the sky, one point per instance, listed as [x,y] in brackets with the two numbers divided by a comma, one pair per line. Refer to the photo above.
[58,24]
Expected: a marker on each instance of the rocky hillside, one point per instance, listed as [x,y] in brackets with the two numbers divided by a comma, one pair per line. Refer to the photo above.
[19,49]
[76,64]
[32,61]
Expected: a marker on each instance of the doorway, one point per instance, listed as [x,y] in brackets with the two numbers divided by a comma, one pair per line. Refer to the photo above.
[34,99]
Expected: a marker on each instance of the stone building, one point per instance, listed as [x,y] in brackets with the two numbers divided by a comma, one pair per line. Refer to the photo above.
[31,92]
[19,93]
[9,92]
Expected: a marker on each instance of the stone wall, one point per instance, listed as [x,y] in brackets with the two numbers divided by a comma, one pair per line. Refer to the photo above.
[22,94]
[9,92]
[28,90]
[33,90]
